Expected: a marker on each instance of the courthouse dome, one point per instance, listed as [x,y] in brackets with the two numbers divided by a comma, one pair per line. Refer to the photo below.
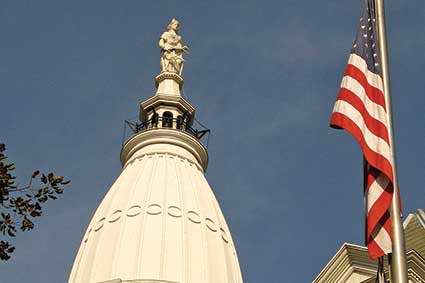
[160,221]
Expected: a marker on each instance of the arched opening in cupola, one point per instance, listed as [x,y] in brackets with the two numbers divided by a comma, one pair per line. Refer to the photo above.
[179,122]
[167,119]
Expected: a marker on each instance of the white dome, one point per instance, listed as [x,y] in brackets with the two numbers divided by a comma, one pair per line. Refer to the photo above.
[160,221]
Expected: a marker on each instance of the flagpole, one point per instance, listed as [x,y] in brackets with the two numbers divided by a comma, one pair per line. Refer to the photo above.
[398,267]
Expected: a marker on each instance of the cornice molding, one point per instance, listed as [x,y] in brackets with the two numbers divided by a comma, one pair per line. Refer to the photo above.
[415,268]
[165,136]
[349,259]
[168,75]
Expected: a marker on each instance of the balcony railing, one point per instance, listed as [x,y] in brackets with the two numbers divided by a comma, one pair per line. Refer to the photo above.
[178,124]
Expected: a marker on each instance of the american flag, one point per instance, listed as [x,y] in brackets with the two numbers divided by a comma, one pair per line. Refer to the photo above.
[360,109]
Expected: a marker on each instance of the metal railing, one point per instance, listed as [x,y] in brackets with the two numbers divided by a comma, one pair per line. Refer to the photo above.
[178,124]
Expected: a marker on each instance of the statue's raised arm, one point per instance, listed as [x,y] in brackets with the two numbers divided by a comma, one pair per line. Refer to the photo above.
[172,49]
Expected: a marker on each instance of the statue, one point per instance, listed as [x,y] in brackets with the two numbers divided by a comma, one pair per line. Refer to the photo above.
[172,49]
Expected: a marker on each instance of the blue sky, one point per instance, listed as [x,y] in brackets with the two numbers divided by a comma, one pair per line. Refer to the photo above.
[263,76]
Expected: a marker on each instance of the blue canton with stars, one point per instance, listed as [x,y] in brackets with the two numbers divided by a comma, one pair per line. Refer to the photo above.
[365,44]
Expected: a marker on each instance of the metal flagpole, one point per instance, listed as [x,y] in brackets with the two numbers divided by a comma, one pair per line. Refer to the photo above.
[398,268]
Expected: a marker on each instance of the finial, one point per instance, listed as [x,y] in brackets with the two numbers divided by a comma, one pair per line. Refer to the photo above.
[172,49]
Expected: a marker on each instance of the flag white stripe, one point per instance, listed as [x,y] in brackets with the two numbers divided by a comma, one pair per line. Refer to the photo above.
[376,189]
[373,79]
[374,142]
[375,110]
[382,239]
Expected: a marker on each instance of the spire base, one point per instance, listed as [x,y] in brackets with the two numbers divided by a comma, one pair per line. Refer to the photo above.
[169,83]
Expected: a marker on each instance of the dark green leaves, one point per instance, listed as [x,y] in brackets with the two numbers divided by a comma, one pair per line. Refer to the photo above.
[5,250]
[19,205]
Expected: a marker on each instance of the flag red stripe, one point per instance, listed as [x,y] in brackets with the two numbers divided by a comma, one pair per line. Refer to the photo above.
[376,160]
[379,208]
[374,94]
[374,249]
[374,125]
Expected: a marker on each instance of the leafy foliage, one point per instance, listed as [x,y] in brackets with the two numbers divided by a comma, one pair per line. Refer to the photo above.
[20,205]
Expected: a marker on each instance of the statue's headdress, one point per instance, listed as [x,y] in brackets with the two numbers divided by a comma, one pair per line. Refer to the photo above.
[173,21]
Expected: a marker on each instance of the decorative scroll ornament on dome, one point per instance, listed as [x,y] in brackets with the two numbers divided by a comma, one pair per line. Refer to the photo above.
[172,49]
